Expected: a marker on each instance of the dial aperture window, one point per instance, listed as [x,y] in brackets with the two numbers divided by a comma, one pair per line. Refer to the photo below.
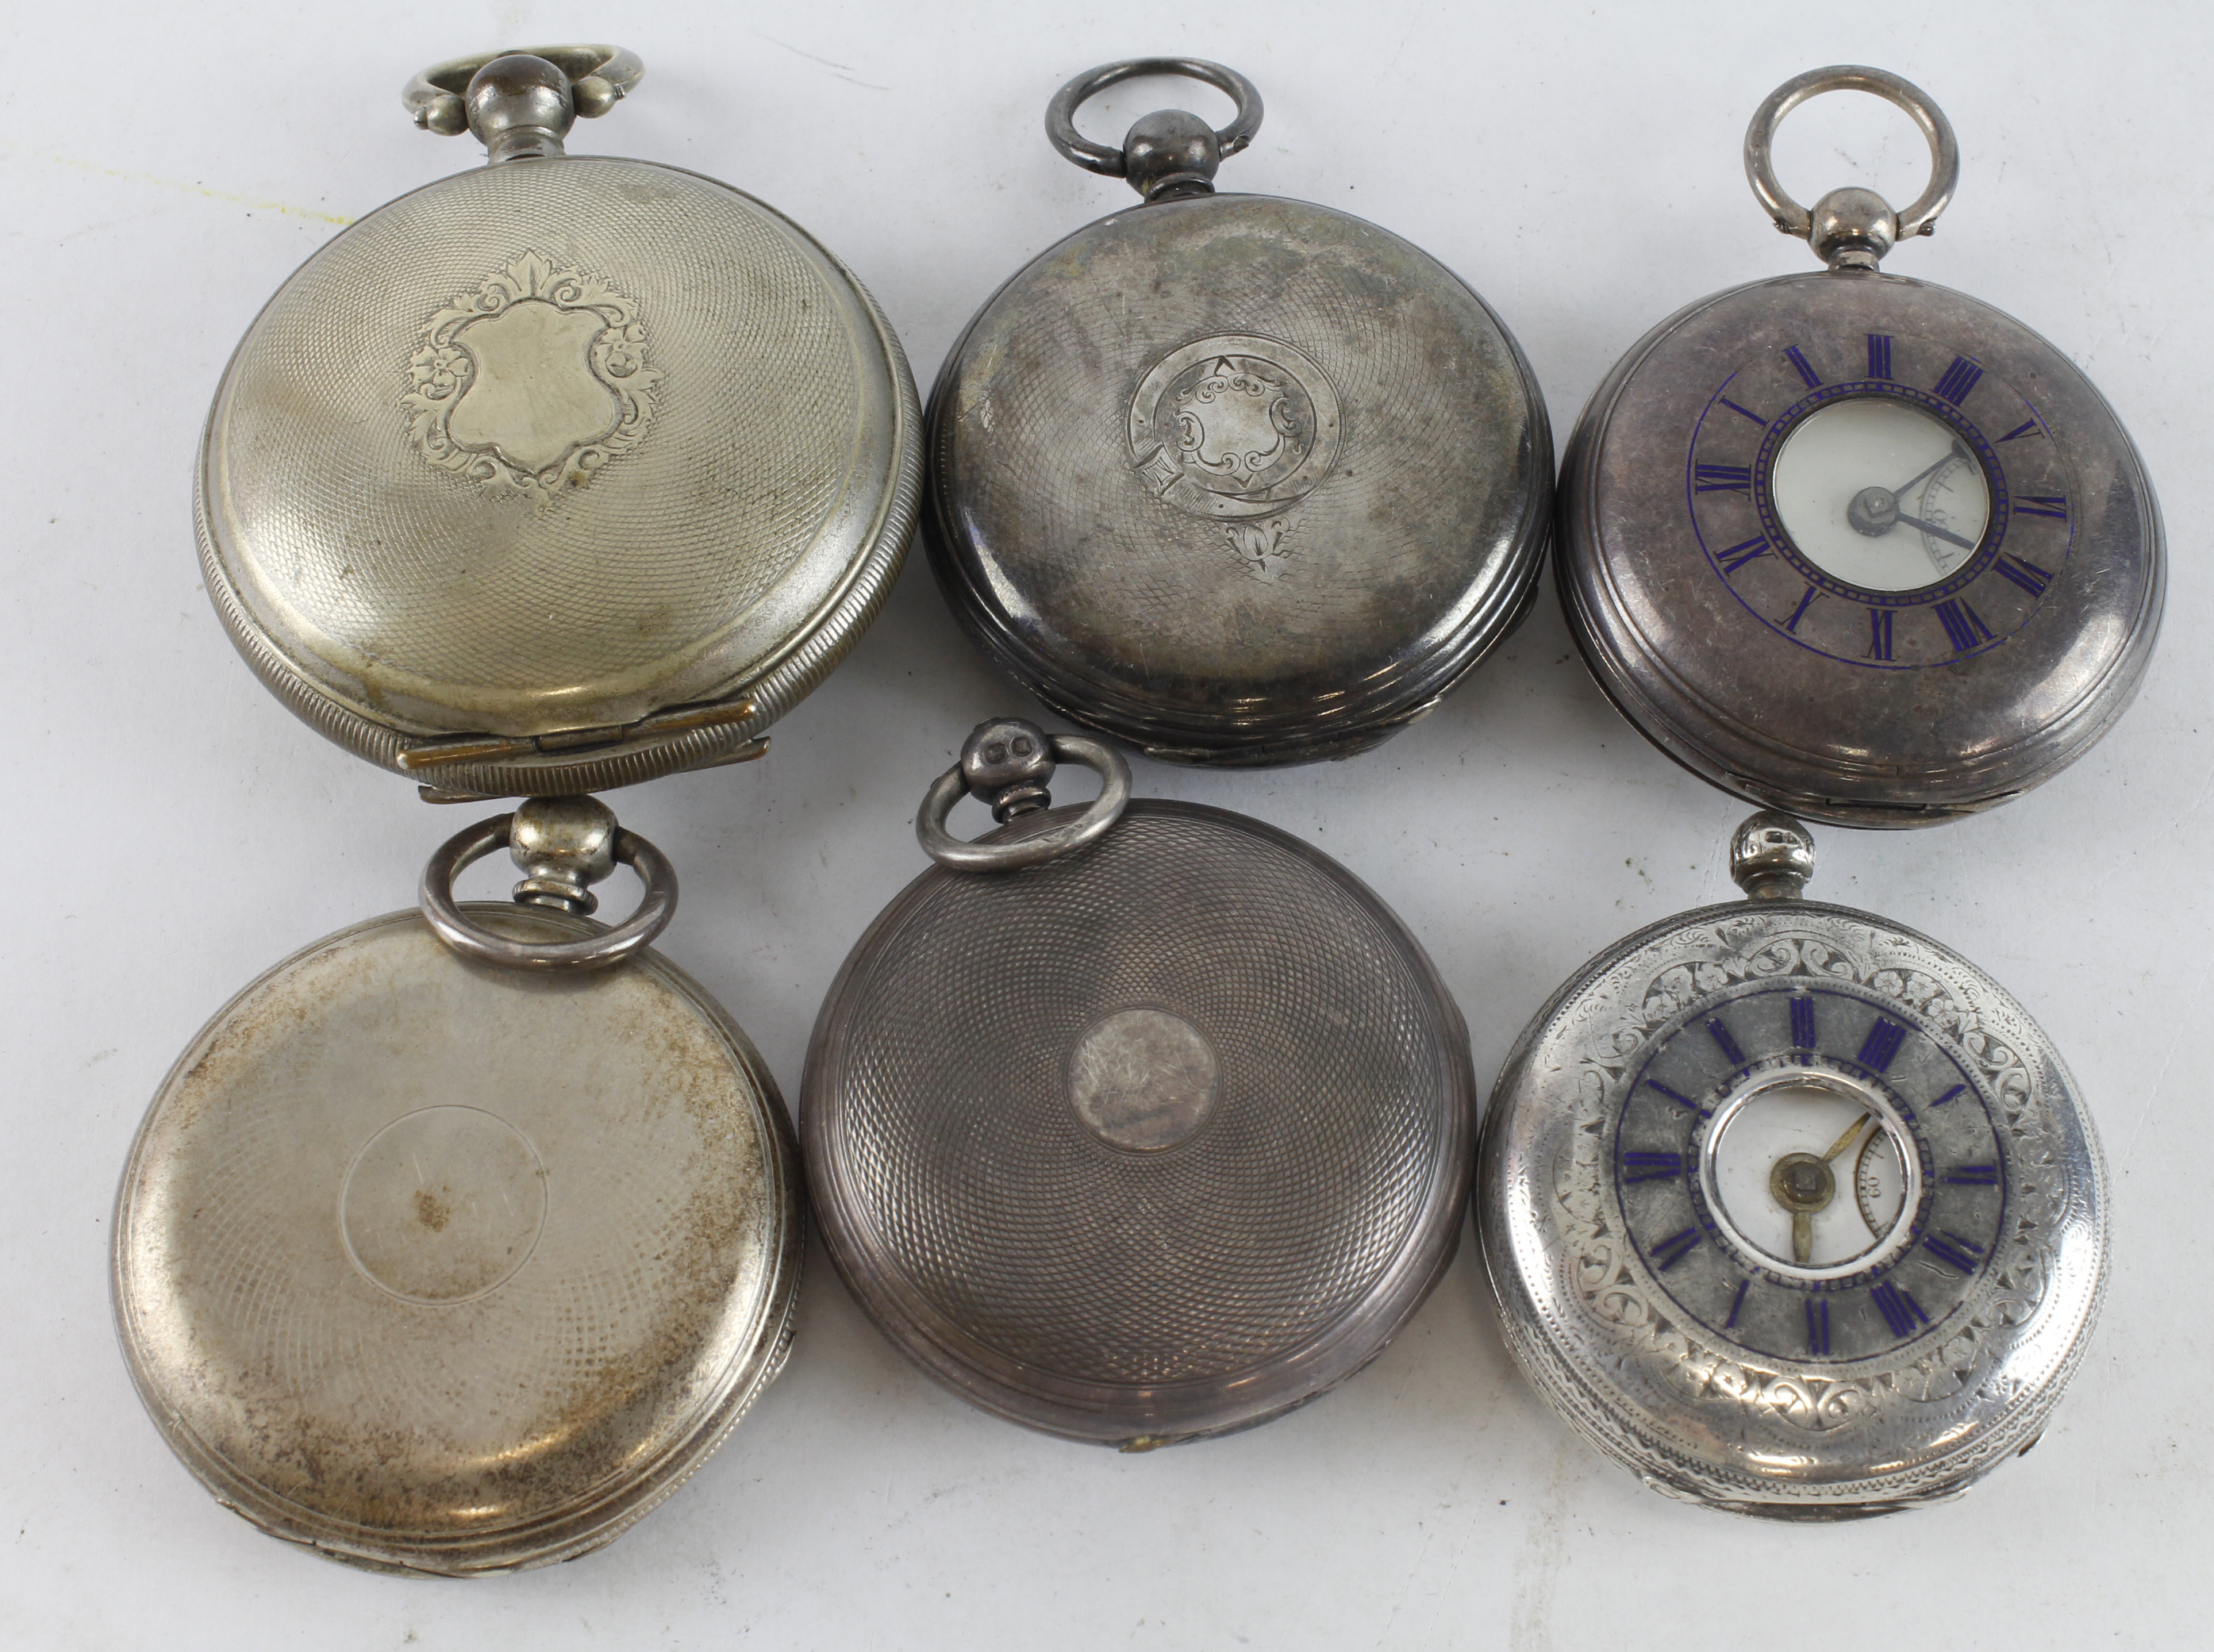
[1880,494]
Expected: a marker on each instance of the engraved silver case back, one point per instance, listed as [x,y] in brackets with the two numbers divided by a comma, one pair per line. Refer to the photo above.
[559,474]
[1730,645]
[454,1269]
[1632,1294]
[1152,1142]
[1236,479]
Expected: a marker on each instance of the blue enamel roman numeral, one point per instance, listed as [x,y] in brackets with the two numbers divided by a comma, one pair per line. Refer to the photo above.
[1676,1096]
[1736,1302]
[1879,635]
[1899,1310]
[1954,1251]
[1818,1326]
[1958,379]
[2031,577]
[1973,1176]
[1881,1044]
[1964,626]
[1879,355]
[1747,412]
[1673,1249]
[1800,612]
[1798,360]
[1652,1166]
[1802,1023]
[1737,555]
[2027,427]
[1722,479]
[1726,1043]
[1957,1089]
[2042,504]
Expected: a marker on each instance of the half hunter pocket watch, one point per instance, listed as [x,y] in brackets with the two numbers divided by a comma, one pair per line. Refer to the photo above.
[1135,1122]
[1791,1210]
[457,1240]
[1235,479]
[1854,545]
[559,473]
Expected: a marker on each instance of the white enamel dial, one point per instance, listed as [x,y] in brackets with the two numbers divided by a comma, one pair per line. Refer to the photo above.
[1783,1157]
[1880,494]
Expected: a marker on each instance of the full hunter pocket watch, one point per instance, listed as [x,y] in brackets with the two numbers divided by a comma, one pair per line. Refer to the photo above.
[1135,1122]
[1790,1210]
[559,473]
[457,1240]
[1235,479]
[1853,545]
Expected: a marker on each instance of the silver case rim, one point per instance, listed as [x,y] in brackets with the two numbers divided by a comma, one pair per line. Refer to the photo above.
[1087,1412]
[1739,757]
[1533,1323]
[569,1533]
[809,655]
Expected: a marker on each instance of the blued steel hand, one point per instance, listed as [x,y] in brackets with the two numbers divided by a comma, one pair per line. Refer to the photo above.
[1956,451]
[1931,528]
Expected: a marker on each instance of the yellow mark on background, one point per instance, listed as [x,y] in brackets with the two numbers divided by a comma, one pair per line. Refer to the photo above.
[178,183]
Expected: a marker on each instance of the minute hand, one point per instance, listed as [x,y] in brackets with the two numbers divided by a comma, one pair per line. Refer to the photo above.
[1945,534]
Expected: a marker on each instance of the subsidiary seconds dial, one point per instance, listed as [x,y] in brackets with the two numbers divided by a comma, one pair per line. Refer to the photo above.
[1880,499]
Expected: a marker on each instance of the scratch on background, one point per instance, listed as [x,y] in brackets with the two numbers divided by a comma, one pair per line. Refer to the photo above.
[285,207]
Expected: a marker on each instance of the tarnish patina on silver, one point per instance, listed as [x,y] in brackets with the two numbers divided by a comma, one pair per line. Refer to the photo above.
[1140,1144]
[1852,227]
[1704,661]
[1913,1417]
[521,104]
[441,1269]
[564,845]
[1236,480]
[560,473]
[1007,765]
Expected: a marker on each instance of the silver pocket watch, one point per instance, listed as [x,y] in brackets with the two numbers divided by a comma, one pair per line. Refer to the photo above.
[1135,1122]
[1235,479]
[559,473]
[1853,545]
[1791,1210]
[457,1240]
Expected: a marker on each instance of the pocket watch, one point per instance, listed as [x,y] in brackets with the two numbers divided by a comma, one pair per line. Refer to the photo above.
[1791,1210]
[457,1240]
[1235,479]
[1136,1122]
[559,473]
[1851,544]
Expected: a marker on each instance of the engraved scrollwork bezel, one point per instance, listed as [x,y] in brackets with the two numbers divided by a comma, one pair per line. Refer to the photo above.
[1694,1413]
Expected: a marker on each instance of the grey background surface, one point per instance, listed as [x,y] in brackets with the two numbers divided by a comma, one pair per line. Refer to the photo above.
[175,831]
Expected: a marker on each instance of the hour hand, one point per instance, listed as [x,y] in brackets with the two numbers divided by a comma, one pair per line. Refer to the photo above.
[1936,532]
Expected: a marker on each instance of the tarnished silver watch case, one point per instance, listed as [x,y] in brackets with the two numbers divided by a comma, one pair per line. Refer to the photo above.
[1694,582]
[455,1243]
[559,473]
[1790,1210]
[1139,1123]
[1235,479]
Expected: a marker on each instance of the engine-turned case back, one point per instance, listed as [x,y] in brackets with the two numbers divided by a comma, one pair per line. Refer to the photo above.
[455,1242]
[1791,1210]
[1236,479]
[1135,1123]
[1854,545]
[559,473]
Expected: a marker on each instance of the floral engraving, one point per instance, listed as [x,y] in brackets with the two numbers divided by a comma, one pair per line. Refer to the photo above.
[1609,1278]
[532,383]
